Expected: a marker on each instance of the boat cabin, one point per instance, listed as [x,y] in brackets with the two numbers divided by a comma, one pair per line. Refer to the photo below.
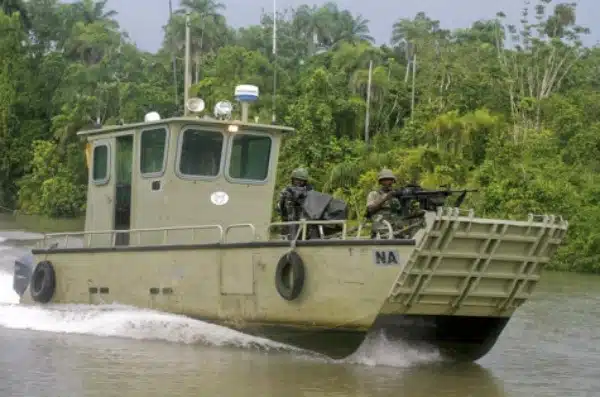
[181,180]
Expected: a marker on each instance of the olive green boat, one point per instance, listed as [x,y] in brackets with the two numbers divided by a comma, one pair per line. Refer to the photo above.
[179,220]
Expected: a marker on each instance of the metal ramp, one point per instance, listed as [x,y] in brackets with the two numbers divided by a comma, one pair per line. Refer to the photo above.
[471,266]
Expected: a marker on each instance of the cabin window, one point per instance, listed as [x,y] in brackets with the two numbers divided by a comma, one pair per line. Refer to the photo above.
[250,157]
[100,164]
[152,152]
[200,153]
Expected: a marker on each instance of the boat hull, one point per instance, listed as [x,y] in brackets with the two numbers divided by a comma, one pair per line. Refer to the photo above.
[458,338]
[339,308]
[453,288]
[237,285]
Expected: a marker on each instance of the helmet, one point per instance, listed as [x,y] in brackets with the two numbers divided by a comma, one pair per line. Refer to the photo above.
[300,174]
[386,173]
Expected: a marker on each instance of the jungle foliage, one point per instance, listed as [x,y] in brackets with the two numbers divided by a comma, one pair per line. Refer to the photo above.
[511,110]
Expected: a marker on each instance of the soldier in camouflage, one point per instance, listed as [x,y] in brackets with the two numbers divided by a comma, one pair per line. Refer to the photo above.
[383,205]
[292,197]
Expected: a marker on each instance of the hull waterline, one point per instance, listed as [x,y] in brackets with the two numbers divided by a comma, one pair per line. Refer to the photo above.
[455,338]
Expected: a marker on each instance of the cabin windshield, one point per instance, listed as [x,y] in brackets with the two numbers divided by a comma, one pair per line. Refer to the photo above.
[250,157]
[153,151]
[201,152]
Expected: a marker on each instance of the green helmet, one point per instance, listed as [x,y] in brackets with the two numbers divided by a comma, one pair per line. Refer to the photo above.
[386,173]
[300,174]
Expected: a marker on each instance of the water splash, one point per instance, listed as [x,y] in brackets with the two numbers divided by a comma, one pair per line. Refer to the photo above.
[7,294]
[377,350]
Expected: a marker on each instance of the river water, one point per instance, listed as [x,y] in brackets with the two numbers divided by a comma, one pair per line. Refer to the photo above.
[551,347]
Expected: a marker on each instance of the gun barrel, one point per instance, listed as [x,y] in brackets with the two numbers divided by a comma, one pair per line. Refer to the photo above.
[440,192]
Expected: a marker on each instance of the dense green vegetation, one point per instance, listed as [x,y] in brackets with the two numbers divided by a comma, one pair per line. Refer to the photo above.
[513,110]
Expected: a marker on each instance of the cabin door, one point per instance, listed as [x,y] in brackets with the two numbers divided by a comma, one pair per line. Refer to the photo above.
[100,194]
[122,199]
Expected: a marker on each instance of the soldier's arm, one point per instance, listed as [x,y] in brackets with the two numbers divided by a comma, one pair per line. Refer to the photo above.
[375,201]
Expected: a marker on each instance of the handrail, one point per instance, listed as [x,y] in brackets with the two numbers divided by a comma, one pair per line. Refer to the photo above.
[304,223]
[385,222]
[139,231]
[239,226]
[301,233]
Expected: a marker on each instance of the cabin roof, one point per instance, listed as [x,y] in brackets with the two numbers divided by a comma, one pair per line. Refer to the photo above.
[187,120]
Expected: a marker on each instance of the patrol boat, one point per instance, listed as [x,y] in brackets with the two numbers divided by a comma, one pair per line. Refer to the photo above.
[178,220]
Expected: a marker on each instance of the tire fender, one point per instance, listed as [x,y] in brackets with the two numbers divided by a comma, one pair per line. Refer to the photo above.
[290,262]
[43,282]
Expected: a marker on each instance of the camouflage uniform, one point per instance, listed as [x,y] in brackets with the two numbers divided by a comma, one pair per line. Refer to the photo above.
[391,211]
[291,198]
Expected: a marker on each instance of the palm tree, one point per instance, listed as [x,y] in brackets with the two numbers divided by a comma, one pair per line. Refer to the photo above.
[90,11]
[92,32]
[351,29]
[208,28]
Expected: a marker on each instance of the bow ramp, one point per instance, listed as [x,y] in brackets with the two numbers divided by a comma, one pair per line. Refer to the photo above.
[466,278]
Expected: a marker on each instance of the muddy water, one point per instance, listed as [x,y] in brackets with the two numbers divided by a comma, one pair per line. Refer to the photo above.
[550,348]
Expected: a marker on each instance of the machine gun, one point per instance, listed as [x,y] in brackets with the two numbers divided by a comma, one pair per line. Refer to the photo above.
[290,204]
[428,200]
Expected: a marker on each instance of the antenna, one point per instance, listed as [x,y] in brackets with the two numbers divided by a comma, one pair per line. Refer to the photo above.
[173,55]
[368,102]
[274,60]
[186,84]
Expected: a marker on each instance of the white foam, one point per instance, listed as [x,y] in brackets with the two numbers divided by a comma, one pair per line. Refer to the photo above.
[377,350]
[7,294]
[121,321]
[142,324]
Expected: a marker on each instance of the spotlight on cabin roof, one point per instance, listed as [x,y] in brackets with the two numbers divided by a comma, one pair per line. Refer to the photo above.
[223,110]
[152,116]
[195,105]
[246,93]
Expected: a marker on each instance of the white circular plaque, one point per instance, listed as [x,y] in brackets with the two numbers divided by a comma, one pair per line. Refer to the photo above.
[219,198]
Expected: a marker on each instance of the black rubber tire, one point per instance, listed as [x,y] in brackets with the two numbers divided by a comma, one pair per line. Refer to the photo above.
[43,282]
[290,262]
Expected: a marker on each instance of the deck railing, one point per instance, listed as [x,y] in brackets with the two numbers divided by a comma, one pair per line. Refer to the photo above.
[222,234]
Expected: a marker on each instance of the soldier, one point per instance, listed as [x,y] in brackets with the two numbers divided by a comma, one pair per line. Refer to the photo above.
[383,205]
[292,197]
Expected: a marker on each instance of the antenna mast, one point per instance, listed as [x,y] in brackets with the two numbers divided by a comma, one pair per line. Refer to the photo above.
[186,87]
[274,60]
[173,55]
[368,102]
